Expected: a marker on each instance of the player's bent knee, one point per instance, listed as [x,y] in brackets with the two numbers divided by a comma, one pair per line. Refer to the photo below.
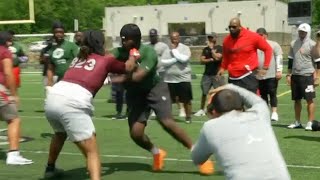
[136,135]
[61,134]
[14,120]
[88,144]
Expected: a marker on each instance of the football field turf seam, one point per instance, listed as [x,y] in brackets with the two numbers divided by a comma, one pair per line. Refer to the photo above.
[150,158]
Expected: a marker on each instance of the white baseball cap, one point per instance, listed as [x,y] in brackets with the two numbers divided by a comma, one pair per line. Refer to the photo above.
[304,27]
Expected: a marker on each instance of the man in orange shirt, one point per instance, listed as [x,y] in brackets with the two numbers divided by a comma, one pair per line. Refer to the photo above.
[240,56]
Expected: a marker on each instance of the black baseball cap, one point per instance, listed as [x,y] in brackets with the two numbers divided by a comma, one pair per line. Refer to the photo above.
[57,24]
[4,37]
[95,40]
[262,31]
[130,31]
[153,32]
[211,35]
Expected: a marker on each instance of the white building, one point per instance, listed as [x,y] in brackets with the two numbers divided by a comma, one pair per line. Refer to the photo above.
[200,18]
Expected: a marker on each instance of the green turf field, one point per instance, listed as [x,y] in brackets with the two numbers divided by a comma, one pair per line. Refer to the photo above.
[122,159]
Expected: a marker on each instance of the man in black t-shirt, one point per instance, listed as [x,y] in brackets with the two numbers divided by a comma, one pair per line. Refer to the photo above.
[44,60]
[211,57]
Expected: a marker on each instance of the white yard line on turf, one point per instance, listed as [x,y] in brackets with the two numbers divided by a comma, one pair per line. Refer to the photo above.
[145,157]
[105,100]
[114,120]
[42,99]
[284,93]
[40,82]
[98,119]
[31,73]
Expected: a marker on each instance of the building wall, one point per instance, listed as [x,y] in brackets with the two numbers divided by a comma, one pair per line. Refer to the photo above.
[254,14]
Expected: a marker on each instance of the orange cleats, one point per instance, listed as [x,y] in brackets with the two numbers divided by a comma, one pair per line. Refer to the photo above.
[158,160]
[207,168]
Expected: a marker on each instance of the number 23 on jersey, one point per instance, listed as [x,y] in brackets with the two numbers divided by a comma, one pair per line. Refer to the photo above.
[85,64]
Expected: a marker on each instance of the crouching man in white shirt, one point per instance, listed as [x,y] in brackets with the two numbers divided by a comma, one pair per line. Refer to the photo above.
[240,136]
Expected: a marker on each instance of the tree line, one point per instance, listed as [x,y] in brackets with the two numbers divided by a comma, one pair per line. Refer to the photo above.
[88,12]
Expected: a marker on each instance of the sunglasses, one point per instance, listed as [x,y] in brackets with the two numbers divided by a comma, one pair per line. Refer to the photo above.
[232,27]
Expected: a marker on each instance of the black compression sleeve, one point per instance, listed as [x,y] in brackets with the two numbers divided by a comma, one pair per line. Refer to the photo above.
[290,61]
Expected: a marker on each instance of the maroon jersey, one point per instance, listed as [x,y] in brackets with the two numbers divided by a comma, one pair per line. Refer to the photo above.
[4,53]
[91,73]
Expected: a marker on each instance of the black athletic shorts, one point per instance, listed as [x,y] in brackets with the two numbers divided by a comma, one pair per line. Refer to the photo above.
[182,90]
[249,82]
[209,81]
[158,99]
[302,87]
[268,86]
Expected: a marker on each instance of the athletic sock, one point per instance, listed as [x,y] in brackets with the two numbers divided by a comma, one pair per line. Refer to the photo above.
[14,150]
[192,147]
[155,150]
[50,167]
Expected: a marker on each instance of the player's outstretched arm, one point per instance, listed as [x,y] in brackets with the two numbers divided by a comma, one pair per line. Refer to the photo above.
[201,152]
[250,99]
[50,74]
[138,75]
[7,68]
[120,78]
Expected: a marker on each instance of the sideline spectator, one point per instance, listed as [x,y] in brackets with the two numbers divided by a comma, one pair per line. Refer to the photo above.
[8,102]
[240,56]
[301,75]
[178,73]
[268,84]
[211,57]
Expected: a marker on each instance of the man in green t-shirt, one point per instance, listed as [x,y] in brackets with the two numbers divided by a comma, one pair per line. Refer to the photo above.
[145,91]
[61,54]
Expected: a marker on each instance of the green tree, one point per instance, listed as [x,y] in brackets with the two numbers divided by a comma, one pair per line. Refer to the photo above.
[88,12]
[316,13]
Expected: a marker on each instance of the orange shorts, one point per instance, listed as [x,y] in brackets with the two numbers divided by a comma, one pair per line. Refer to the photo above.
[16,74]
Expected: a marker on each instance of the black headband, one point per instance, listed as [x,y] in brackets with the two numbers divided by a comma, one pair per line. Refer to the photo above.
[95,40]
[4,37]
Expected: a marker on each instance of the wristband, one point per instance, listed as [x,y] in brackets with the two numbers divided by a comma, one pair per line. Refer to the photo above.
[135,53]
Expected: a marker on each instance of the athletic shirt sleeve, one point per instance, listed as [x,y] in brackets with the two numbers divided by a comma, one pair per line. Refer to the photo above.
[277,49]
[206,52]
[225,55]
[201,151]
[203,52]
[75,50]
[263,45]
[291,54]
[148,59]
[251,100]
[115,52]
[50,51]
[115,66]
[219,49]
[5,54]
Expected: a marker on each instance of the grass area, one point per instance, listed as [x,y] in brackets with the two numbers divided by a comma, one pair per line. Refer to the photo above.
[122,159]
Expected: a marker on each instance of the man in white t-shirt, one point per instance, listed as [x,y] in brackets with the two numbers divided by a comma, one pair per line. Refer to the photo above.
[242,140]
